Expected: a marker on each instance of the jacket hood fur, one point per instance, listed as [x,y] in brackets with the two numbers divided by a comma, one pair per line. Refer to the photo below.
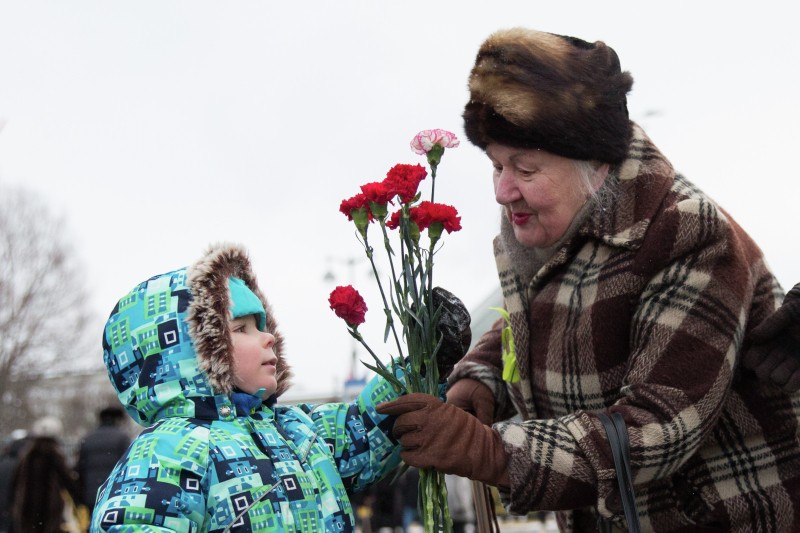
[210,311]
[167,346]
[531,89]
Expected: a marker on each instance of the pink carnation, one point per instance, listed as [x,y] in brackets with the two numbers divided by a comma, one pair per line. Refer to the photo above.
[426,139]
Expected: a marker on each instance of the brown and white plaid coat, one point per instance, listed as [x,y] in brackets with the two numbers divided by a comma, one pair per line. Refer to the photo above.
[644,311]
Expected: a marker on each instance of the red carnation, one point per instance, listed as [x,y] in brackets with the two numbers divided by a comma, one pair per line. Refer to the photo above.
[348,305]
[377,192]
[394,220]
[428,213]
[359,201]
[403,180]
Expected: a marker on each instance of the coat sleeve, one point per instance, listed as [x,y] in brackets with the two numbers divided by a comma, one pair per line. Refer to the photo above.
[358,436]
[174,499]
[685,335]
[484,363]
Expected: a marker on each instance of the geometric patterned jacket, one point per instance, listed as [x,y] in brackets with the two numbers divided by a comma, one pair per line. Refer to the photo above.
[206,462]
[644,311]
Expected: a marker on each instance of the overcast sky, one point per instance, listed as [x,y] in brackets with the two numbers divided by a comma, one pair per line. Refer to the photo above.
[157,127]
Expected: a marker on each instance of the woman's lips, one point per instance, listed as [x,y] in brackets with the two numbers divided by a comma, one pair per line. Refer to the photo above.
[520,218]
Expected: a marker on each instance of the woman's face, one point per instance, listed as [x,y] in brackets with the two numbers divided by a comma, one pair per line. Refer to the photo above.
[541,192]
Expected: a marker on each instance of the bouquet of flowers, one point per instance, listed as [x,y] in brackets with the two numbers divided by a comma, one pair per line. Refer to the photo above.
[408,298]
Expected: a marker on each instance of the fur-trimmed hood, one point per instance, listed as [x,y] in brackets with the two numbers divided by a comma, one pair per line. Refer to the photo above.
[167,346]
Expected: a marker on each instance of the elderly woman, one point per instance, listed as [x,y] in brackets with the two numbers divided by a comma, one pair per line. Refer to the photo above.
[628,291]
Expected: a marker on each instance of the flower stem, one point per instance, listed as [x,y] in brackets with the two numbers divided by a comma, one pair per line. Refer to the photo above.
[433,179]
[386,307]
[433,502]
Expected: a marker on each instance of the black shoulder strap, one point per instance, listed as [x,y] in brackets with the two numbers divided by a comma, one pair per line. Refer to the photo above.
[620,449]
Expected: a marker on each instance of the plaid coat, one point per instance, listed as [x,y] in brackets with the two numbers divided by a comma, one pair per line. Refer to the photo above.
[644,311]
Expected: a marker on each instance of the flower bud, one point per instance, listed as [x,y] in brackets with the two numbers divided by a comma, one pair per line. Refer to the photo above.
[361,218]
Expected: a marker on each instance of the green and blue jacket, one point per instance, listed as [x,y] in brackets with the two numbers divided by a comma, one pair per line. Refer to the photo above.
[212,459]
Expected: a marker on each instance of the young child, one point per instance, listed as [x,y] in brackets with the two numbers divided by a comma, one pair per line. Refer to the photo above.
[196,356]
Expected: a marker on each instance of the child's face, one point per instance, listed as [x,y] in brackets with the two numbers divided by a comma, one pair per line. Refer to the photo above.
[253,357]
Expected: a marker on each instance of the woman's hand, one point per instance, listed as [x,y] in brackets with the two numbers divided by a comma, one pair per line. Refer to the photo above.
[473,397]
[441,436]
[774,351]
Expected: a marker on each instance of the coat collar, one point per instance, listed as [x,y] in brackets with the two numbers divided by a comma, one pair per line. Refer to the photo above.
[622,211]
[631,196]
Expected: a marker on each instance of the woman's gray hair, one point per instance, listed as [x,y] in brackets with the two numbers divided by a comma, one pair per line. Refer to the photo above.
[586,171]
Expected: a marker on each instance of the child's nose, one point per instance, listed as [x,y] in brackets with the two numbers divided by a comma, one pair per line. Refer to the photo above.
[268,339]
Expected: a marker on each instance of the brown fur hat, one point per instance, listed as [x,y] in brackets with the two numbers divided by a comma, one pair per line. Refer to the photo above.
[210,311]
[531,89]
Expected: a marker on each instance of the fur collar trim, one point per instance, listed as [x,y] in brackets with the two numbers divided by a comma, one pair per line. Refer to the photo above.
[210,310]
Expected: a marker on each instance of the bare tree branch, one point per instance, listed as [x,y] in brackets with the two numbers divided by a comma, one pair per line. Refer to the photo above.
[43,310]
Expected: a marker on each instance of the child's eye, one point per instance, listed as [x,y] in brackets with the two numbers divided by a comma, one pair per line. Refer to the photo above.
[239,329]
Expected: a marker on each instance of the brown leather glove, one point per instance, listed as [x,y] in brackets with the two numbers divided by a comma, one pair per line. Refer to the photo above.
[441,436]
[774,350]
[473,397]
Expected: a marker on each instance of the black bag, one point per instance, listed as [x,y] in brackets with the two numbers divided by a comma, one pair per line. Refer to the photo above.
[620,449]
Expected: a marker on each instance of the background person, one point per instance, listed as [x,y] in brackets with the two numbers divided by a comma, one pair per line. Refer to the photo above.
[459,500]
[8,463]
[408,491]
[44,489]
[100,450]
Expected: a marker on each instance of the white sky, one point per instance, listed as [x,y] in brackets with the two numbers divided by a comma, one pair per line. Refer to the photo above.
[157,127]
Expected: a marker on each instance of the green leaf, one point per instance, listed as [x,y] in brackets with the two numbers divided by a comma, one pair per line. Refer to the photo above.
[503,312]
[388,329]
[387,376]
[510,365]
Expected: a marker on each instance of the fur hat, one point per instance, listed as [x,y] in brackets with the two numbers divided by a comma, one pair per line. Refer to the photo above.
[531,89]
